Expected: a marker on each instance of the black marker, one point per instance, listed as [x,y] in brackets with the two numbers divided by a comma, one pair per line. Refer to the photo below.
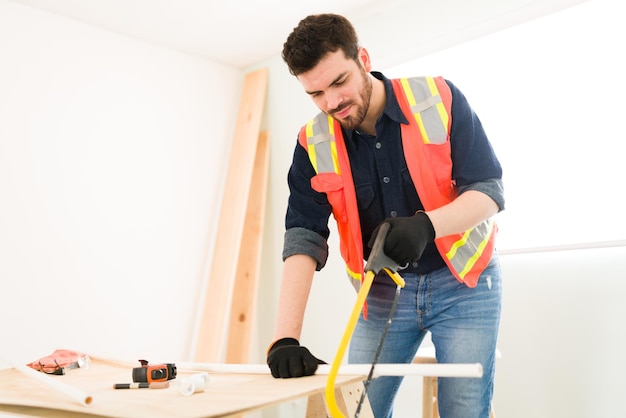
[143,385]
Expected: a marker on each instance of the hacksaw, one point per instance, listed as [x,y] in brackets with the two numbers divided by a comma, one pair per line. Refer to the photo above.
[377,262]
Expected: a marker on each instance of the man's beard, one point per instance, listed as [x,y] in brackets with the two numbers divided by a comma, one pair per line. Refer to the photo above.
[365,93]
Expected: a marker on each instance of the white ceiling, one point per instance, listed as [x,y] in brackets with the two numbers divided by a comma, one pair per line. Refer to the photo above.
[242,33]
[239,33]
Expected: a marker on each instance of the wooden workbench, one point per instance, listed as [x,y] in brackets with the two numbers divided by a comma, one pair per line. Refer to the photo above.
[226,395]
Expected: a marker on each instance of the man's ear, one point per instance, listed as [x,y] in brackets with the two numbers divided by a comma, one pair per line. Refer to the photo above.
[364,58]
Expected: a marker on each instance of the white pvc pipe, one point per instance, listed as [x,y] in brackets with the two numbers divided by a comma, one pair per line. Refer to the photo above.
[76,394]
[434,369]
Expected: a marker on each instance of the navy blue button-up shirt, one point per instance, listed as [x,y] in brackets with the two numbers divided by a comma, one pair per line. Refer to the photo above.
[381,178]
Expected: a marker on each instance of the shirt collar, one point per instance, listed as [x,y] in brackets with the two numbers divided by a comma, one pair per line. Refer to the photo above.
[392,108]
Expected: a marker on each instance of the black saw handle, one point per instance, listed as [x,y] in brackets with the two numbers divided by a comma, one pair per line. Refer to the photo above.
[378,260]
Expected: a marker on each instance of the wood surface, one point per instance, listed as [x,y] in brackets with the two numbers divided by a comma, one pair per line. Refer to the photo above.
[243,304]
[212,327]
[226,395]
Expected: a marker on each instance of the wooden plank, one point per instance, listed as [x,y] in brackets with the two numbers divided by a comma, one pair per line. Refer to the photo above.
[218,291]
[247,274]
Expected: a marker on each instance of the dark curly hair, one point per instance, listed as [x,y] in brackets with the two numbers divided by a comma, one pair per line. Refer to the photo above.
[314,37]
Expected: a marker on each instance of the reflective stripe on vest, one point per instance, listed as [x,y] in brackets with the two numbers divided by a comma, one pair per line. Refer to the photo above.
[321,145]
[464,253]
[428,109]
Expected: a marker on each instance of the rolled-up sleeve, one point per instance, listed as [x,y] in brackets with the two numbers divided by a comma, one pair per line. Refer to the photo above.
[308,212]
[304,241]
[492,188]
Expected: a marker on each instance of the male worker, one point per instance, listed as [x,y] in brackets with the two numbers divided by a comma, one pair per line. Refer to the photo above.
[413,154]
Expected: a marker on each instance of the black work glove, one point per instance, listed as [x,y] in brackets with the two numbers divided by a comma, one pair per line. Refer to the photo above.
[407,237]
[287,358]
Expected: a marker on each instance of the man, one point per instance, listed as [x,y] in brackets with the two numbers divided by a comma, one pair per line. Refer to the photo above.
[413,154]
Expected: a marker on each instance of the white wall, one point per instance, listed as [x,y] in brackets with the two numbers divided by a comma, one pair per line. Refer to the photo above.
[111,159]
[561,335]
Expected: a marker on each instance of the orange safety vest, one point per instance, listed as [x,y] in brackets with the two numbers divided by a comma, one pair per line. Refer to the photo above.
[426,141]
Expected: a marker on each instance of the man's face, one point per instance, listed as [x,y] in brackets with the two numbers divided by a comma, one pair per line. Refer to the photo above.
[340,87]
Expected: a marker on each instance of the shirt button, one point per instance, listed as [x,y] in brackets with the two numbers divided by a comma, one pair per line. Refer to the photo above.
[393,213]
[414,264]
[386,180]
[379,145]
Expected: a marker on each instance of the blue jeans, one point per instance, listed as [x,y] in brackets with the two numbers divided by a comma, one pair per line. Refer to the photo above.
[463,323]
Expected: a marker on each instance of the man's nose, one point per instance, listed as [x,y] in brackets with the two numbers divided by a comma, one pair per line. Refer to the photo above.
[333,101]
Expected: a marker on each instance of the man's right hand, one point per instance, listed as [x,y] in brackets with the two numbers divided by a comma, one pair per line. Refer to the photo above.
[287,358]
